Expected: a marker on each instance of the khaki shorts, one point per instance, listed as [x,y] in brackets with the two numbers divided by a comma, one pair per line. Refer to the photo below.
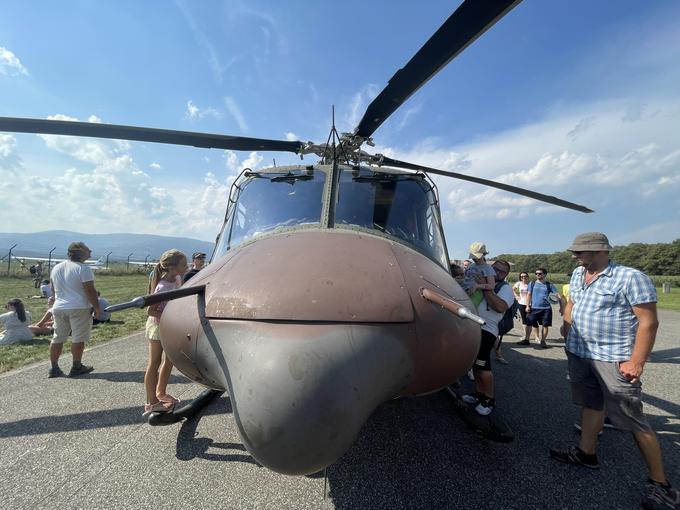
[77,322]
[599,385]
[152,329]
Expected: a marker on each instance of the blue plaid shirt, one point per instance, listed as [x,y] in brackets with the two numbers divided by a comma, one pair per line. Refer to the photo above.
[603,323]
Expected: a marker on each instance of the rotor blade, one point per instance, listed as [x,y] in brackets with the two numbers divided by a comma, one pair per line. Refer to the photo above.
[486,182]
[92,129]
[466,24]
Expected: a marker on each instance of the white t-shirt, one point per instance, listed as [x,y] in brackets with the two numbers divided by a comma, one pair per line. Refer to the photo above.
[45,290]
[490,315]
[15,330]
[68,278]
[522,291]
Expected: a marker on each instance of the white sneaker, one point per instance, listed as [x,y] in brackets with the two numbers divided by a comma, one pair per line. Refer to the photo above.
[470,399]
[484,410]
[471,375]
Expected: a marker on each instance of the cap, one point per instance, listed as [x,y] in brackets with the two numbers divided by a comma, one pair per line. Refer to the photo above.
[198,255]
[77,246]
[590,241]
[478,250]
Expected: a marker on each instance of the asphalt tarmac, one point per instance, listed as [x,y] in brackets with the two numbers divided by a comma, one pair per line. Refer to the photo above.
[82,443]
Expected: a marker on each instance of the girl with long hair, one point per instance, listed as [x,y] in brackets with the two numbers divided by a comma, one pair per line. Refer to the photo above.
[166,276]
[16,321]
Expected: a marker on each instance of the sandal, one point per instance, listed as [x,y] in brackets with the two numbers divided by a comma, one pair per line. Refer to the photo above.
[168,399]
[158,407]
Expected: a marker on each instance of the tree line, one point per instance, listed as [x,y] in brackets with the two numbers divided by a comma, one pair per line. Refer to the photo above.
[653,259]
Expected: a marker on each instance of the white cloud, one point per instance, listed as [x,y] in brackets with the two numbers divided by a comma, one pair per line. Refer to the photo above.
[595,155]
[7,146]
[10,64]
[155,166]
[193,112]
[235,112]
[213,60]
[291,137]
[357,106]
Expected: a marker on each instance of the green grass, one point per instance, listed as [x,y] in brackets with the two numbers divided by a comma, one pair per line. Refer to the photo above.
[669,301]
[115,289]
[123,287]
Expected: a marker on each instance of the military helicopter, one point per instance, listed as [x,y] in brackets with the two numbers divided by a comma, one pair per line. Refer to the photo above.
[329,291]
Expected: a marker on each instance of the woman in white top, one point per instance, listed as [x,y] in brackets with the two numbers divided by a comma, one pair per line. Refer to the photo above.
[521,289]
[16,322]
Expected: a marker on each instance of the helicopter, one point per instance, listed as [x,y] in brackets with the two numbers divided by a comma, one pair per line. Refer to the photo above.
[329,290]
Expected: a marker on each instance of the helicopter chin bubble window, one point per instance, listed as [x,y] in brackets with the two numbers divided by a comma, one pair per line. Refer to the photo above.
[269,202]
[398,205]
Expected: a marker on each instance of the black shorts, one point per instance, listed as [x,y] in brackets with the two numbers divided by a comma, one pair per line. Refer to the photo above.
[523,314]
[483,361]
[541,316]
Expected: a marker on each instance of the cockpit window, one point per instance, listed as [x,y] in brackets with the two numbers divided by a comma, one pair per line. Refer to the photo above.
[267,202]
[399,205]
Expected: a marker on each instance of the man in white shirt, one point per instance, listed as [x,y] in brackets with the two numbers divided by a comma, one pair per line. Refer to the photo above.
[74,297]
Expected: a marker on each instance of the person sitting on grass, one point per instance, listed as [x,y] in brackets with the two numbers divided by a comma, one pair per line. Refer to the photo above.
[44,326]
[16,321]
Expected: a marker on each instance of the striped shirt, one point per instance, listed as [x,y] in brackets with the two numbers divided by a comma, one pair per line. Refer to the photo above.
[603,323]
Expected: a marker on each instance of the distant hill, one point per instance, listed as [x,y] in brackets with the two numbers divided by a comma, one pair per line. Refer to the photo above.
[38,244]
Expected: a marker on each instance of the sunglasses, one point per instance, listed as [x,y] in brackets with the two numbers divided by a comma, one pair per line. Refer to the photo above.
[539,274]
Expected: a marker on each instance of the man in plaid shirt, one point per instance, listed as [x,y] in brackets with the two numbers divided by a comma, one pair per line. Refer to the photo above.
[610,325]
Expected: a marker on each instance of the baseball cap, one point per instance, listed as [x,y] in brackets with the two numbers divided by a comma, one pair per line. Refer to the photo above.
[478,250]
[590,241]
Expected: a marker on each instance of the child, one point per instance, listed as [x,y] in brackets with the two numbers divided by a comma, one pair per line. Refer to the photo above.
[16,323]
[165,276]
[479,268]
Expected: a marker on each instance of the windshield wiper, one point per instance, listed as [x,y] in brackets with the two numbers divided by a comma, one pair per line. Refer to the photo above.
[291,178]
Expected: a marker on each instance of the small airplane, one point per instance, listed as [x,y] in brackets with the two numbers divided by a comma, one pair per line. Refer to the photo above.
[329,291]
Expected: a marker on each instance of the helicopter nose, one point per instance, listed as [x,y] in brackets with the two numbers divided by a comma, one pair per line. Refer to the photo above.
[301,392]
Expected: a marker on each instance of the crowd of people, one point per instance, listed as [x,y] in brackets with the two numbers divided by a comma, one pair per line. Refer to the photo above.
[609,326]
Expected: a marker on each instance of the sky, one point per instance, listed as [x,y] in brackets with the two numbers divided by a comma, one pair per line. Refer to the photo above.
[577,99]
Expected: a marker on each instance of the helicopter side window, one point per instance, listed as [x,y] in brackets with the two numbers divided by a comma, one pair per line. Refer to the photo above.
[398,205]
[269,202]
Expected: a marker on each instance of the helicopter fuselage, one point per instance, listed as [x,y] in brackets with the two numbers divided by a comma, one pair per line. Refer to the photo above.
[309,327]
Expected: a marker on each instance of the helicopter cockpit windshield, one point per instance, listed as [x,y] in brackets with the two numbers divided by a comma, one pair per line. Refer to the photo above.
[394,204]
[264,202]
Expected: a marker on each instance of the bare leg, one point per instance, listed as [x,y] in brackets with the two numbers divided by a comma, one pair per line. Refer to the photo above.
[55,352]
[77,351]
[651,452]
[164,376]
[544,333]
[591,425]
[527,332]
[151,375]
[536,335]
[484,382]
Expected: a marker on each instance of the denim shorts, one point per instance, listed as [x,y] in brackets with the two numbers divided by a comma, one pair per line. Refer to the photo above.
[600,385]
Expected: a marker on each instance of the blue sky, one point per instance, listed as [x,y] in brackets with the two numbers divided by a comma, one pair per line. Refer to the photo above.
[577,99]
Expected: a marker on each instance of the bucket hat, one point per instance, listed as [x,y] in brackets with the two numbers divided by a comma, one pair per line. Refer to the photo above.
[478,250]
[590,241]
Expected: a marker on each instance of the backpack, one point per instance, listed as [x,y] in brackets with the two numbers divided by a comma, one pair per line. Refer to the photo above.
[507,322]
[32,270]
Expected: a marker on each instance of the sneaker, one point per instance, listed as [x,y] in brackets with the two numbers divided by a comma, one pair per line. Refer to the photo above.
[158,407]
[543,344]
[659,497]
[485,407]
[471,398]
[55,372]
[524,341]
[81,370]
[471,375]
[575,456]
[577,426]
